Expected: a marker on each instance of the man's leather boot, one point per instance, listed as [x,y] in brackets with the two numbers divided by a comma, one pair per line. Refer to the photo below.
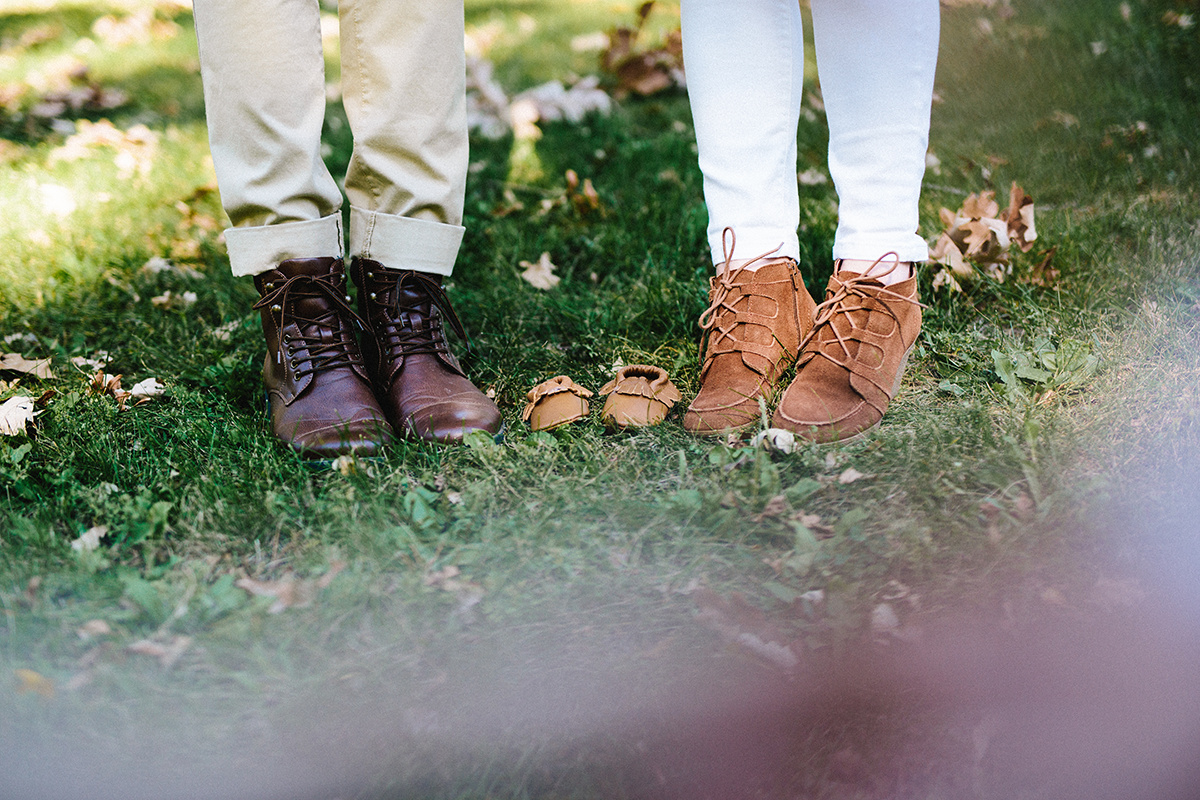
[418,380]
[317,386]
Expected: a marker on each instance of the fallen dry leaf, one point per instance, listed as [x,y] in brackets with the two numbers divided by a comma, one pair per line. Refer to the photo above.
[290,591]
[287,591]
[982,233]
[167,652]
[813,176]
[147,389]
[1043,274]
[30,682]
[93,628]
[90,539]
[169,299]
[103,383]
[643,71]
[745,626]
[135,148]
[776,507]
[540,274]
[90,365]
[15,362]
[850,476]
[583,197]
[16,415]
[1019,218]
[776,440]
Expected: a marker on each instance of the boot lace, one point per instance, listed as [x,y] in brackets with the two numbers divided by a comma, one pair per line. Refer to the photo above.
[399,332]
[721,319]
[853,295]
[323,354]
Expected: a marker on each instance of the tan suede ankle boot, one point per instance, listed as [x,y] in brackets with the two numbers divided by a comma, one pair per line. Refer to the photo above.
[851,364]
[753,326]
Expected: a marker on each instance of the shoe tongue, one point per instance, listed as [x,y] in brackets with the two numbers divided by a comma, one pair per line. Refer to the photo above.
[309,302]
[414,302]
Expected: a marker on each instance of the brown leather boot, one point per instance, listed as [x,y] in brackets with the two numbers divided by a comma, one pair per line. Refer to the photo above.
[850,366]
[419,382]
[754,323]
[318,389]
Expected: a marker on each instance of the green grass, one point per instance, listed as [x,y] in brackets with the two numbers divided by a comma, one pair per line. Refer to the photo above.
[559,649]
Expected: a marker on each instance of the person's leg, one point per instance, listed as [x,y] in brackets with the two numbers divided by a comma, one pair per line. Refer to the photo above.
[264,89]
[876,60]
[404,88]
[745,70]
[745,75]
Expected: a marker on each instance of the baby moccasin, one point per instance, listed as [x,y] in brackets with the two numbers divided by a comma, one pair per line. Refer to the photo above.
[640,395]
[555,402]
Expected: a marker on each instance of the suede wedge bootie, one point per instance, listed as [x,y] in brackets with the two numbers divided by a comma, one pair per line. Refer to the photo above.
[753,327]
[851,364]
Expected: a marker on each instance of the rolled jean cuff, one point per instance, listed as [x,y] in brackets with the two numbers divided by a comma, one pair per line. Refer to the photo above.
[405,242]
[256,249]
[909,247]
[755,242]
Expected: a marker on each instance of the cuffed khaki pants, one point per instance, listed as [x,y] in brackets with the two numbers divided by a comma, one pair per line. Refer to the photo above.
[403,85]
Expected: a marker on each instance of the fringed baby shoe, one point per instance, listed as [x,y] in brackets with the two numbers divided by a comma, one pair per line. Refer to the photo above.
[640,395]
[555,402]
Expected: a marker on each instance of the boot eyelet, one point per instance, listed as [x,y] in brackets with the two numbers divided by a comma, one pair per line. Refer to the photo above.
[347,298]
[270,285]
[293,363]
[372,295]
[370,274]
[277,308]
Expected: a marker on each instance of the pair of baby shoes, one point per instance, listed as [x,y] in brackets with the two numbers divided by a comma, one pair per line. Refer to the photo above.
[640,395]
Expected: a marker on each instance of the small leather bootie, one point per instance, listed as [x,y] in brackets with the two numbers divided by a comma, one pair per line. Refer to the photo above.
[317,386]
[420,383]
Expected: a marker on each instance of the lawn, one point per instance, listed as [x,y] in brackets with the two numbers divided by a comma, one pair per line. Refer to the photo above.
[992,595]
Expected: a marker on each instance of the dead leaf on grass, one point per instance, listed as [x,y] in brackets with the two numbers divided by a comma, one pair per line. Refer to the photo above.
[31,682]
[747,627]
[982,233]
[93,629]
[90,365]
[851,475]
[169,299]
[144,390]
[15,362]
[290,591]
[167,652]
[776,440]
[135,149]
[775,508]
[90,539]
[16,415]
[104,384]
[1043,274]
[584,197]
[540,274]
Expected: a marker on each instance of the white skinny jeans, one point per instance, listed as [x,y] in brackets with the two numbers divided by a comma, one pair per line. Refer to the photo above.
[404,87]
[745,70]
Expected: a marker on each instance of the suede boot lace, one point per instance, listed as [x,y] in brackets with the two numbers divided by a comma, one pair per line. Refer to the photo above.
[850,296]
[719,326]
[323,354]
